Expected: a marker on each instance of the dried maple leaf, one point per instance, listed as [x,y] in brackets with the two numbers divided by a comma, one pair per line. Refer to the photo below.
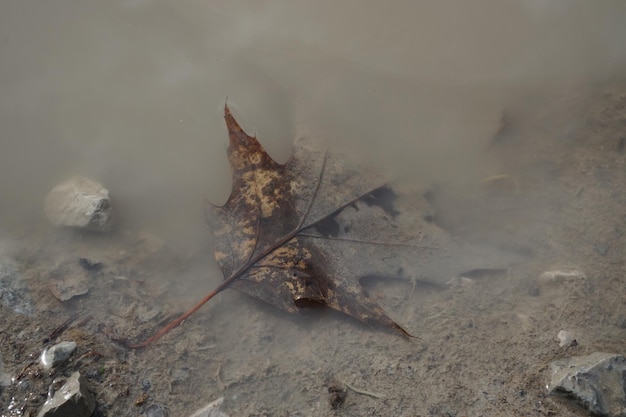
[271,233]
[308,230]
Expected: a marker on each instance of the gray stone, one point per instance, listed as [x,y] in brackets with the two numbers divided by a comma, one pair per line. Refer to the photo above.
[57,354]
[212,409]
[81,203]
[596,381]
[14,293]
[72,400]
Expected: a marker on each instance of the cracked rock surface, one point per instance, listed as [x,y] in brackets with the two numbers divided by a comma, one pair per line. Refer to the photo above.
[72,400]
[596,381]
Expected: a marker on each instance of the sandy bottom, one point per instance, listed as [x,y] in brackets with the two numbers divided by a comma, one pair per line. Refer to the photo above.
[483,345]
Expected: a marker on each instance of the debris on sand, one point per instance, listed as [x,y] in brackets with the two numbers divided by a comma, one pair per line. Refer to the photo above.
[558,276]
[80,203]
[596,381]
[212,409]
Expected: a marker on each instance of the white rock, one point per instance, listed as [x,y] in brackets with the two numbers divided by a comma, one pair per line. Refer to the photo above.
[565,338]
[212,409]
[81,203]
[57,354]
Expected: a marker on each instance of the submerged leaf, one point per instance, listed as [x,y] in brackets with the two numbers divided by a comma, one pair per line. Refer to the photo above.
[261,244]
[308,231]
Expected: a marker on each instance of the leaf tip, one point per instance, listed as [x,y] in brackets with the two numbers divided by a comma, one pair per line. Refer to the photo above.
[230,119]
[238,136]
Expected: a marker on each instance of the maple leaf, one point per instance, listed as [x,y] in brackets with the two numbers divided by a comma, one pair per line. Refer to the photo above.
[270,235]
[307,231]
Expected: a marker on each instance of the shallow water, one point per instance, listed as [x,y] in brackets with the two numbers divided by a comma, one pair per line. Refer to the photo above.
[131,93]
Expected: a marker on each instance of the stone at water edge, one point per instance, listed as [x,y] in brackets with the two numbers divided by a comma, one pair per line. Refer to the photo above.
[81,203]
[57,354]
[596,381]
[72,400]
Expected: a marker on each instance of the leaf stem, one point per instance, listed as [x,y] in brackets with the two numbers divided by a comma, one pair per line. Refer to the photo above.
[254,259]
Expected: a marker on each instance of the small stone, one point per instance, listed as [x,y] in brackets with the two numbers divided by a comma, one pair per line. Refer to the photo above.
[145,384]
[566,338]
[596,381]
[558,276]
[23,385]
[81,203]
[72,400]
[212,409]
[57,354]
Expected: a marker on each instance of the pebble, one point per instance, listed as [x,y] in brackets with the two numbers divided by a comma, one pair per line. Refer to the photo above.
[23,385]
[80,203]
[596,381]
[566,338]
[145,384]
[57,354]
[73,399]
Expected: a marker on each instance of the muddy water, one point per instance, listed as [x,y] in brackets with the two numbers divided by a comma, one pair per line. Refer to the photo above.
[131,92]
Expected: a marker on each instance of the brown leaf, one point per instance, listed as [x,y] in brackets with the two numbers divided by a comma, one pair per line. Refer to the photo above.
[271,233]
[309,230]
